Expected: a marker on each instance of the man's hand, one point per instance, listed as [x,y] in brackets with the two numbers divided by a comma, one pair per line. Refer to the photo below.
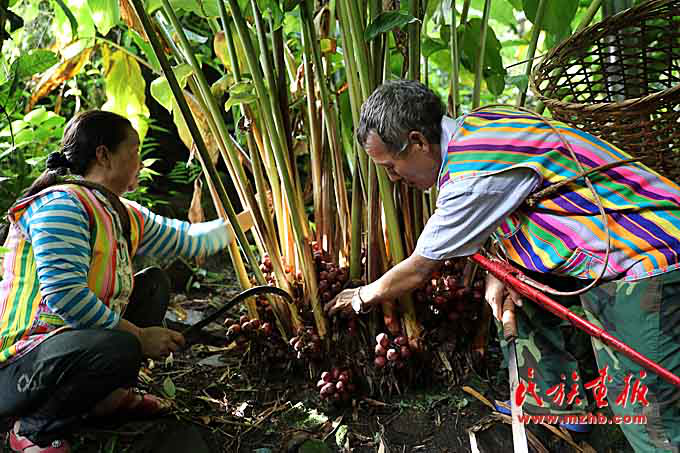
[342,303]
[494,295]
[159,342]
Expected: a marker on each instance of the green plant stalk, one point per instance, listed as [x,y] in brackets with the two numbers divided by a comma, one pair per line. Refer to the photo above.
[196,134]
[531,51]
[300,230]
[269,161]
[479,70]
[590,14]
[357,223]
[465,11]
[454,85]
[273,96]
[397,253]
[229,154]
[263,217]
[231,48]
[279,65]
[314,134]
[356,27]
[289,314]
[331,129]
[296,206]
[414,43]
[354,87]
[261,188]
[275,253]
[376,53]
[245,193]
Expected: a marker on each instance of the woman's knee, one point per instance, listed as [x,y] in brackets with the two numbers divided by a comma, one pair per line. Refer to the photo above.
[116,351]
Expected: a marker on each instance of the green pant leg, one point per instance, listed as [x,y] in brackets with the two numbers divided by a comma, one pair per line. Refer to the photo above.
[541,348]
[645,315]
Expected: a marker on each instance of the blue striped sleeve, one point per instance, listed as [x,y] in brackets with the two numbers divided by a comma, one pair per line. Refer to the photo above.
[57,227]
[164,238]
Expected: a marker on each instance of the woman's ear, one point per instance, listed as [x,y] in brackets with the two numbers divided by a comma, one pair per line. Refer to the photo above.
[103,157]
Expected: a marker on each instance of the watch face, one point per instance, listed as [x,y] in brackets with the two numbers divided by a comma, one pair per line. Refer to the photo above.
[356,304]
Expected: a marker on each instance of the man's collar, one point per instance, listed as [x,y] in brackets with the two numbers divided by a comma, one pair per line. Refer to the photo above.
[449,128]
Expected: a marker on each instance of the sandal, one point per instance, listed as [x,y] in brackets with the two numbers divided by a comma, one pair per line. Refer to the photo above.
[22,444]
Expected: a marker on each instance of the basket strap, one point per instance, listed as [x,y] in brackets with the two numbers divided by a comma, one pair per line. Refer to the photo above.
[533,199]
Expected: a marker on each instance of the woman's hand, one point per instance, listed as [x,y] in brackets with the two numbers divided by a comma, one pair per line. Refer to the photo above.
[494,295]
[159,342]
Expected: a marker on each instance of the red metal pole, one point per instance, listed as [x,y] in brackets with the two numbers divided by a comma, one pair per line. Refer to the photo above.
[506,273]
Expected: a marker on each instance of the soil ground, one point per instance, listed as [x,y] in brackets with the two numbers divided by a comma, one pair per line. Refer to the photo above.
[224,403]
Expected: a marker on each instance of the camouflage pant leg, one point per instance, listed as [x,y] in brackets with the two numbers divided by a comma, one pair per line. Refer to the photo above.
[543,360]
[645,315]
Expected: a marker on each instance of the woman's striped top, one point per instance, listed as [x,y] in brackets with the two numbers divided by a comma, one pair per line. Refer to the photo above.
[564,233]
[69,265]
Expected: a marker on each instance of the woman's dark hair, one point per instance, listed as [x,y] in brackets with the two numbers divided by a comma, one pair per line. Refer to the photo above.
[398,107]
[82,135]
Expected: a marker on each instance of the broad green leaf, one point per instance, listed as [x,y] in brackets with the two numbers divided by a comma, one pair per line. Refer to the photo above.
[68,42]
[34,62]
[270,10]
[494,72]
[495,82]
[557,17]
[146,48]
[520,81]
[517,4]
[387,21]
[221,85]
[3,250]
[125,89]
[220,48]
[501,10]
[160,88]
[69,15]
[105,14]
[169,388]
[242,98]
[37,116]
[241,88]
[432,45]
[469,34]
[203,8]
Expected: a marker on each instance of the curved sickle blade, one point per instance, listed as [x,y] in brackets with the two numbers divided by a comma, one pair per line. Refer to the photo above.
[250,292]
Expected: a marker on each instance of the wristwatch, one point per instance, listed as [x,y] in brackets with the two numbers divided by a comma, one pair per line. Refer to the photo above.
[358,302]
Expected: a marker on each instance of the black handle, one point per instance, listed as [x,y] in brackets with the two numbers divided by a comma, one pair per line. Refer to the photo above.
[250,292]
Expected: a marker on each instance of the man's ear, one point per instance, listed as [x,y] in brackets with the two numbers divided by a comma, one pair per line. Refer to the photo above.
[418,140]
[103,157]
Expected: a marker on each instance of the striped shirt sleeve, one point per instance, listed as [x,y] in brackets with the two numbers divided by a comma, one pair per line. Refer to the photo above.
[58,229]
[162,237]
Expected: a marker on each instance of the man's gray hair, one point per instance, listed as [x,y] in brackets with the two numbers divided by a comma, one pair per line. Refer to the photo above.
[398,107]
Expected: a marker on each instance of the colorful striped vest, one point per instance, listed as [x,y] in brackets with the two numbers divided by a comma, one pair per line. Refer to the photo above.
[564,233]
[25,318]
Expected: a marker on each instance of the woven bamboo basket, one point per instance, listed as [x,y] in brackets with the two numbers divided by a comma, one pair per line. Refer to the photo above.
[619,79]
